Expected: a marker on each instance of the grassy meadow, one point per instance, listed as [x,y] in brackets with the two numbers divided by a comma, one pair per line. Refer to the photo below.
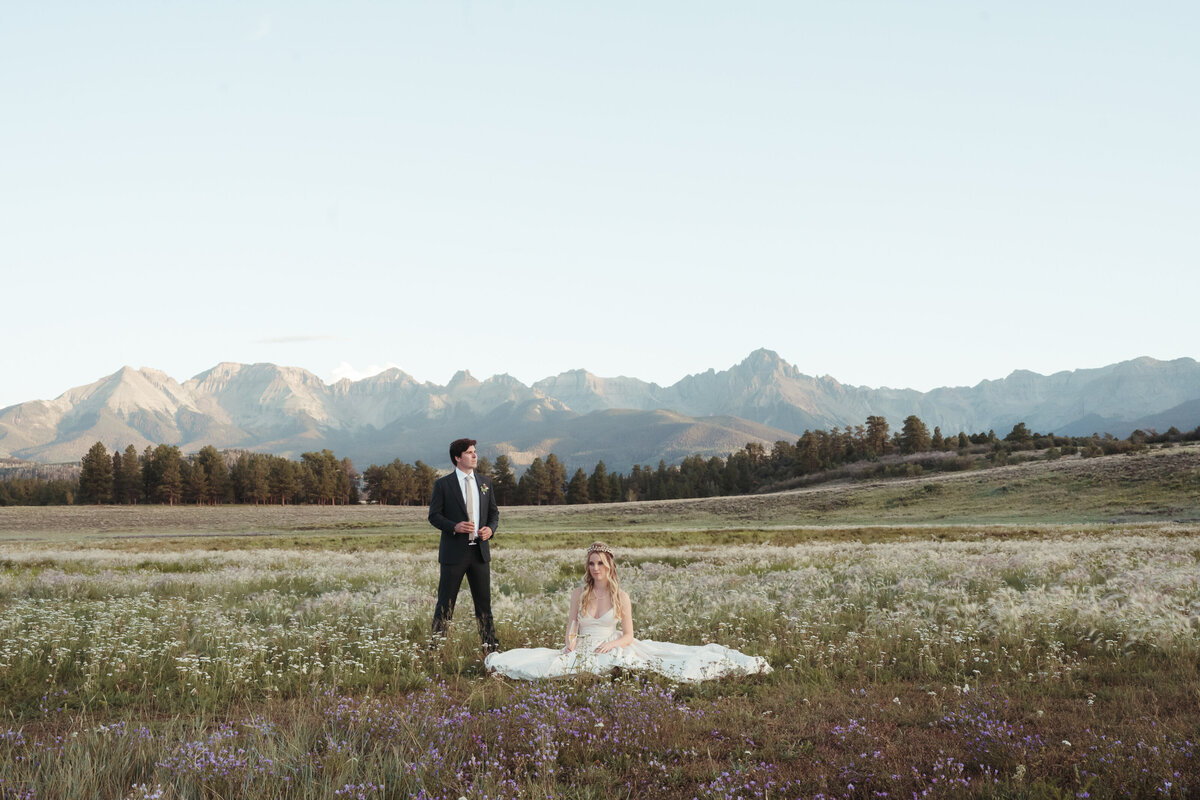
[1028,631]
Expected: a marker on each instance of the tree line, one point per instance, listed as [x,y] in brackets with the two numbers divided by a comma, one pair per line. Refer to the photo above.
[165,475]
[756,468]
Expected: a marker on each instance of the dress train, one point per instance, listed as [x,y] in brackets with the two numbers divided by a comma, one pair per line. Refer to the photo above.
[681,662]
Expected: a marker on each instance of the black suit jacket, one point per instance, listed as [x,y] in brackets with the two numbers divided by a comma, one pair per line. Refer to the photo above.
[447,509]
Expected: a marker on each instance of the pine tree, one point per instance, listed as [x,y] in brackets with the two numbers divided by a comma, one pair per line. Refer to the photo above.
[217,485]
[195,482]
[504,483]
[373,480]
[284,479]
[116,476]
[325,479]
[424,476]
[577,489]
[618,488]
[165,467]
[877,436]
[129,481]
[149,476]
[96,475]
[598,486]
[914,436]
[400,484]
[659,488]
[239,476]
[531,489]
[693,471]
[258,481]
[809,454]
[349,482]
[1020,437]
[556,481]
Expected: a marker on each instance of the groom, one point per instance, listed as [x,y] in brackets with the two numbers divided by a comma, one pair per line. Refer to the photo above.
[464,509]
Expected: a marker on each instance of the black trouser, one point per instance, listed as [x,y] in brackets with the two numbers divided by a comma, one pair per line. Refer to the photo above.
[479,579]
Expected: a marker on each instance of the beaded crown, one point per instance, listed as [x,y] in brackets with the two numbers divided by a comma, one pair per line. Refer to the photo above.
[600,547]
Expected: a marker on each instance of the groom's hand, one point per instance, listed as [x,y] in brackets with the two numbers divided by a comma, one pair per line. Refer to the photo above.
[485,533]
[464,527]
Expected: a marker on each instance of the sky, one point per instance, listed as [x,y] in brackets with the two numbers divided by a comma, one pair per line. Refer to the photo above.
[894,194]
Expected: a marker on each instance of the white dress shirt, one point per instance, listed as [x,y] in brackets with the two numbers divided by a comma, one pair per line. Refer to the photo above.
[471,498]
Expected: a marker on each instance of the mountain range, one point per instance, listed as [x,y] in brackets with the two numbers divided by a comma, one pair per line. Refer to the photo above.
[581,417]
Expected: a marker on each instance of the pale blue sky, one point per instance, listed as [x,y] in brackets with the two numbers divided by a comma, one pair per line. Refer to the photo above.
[900,194]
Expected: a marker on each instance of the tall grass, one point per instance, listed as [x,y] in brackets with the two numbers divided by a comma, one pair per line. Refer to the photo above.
[1053,664]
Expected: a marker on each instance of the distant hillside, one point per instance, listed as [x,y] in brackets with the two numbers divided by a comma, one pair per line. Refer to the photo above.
[579,416]
[1159,485]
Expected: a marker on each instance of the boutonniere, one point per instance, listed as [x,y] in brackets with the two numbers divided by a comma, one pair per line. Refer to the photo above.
[483,488]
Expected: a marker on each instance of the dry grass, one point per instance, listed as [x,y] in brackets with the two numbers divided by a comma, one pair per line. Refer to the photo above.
[1156,486]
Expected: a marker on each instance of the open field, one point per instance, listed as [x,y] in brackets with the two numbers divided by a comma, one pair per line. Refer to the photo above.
[220,653]
[1160,485]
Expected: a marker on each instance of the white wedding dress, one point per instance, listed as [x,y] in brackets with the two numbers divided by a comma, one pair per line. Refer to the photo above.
[681,662]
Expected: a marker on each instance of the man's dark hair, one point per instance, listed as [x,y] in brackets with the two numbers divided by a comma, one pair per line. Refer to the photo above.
[458,447]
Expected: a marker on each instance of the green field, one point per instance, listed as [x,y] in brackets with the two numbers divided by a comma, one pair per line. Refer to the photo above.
[1027,631]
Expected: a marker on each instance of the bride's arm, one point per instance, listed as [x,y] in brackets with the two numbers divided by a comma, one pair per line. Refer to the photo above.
[626,627]
[573,621]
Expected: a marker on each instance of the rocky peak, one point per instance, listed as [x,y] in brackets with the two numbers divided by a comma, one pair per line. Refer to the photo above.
[462,379]
[766,363]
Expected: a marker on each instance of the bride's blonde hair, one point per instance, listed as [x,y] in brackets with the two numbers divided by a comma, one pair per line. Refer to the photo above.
[589,583]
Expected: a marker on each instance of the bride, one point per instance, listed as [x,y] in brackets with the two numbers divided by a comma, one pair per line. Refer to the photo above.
[595,645]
